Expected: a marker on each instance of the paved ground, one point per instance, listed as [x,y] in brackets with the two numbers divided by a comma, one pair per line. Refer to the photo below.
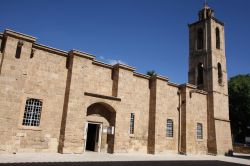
[130,163]
[98,159]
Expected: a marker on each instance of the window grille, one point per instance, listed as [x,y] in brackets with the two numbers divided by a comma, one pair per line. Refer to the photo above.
[32,112]
[170,130]
[199,131]
[132,123]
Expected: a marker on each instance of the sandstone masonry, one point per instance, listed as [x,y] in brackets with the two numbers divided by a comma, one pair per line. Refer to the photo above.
[68,102]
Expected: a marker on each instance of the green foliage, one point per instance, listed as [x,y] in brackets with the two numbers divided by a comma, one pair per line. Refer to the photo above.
[151,73]
[239,106]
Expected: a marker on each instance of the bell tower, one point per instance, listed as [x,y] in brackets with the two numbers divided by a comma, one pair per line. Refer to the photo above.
[207,70]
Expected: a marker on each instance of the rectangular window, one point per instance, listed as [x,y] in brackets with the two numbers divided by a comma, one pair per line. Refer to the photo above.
[170,129]
[32,112]
[199,131]
[132,123]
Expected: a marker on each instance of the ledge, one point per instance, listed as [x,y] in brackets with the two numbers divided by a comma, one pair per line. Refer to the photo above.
[126,67]
[222,119]
[159,77]
[212,18]
[102,96]
[173,84]
[22,36]
[141,75]
[82,54]
[102,64]
[50,49]
[188,85]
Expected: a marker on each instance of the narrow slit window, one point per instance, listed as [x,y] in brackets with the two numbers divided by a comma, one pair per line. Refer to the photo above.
[200,39]
[32,112]
[219,73]
[200,74]
[217,31]
[32,53]
[199,131]
[170,129]
[19,49]
[132,123]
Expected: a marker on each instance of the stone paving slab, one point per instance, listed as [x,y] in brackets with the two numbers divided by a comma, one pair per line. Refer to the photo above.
[99,157]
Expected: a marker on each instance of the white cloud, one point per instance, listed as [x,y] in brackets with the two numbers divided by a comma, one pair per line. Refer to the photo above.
[113,61]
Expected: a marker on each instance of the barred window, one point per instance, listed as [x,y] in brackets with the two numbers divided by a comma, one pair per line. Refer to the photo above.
[132,123]
[199,131]
[32,112]
[170,130]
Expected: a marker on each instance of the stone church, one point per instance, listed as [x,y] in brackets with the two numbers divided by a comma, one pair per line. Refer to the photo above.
[68,102]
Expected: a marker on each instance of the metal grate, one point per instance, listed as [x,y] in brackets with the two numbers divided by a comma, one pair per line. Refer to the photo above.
[132,123]
[199,131]
[32,112]
[170,129]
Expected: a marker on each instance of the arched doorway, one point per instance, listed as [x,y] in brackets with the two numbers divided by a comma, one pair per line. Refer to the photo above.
[99,128]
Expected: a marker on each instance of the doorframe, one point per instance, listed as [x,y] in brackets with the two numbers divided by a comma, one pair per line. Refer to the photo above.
[99,135]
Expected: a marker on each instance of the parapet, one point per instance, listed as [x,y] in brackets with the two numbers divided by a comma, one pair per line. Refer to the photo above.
[19,35]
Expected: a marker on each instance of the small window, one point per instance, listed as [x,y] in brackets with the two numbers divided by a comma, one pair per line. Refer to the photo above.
[32,53]
[132,123]
[199,131]
[170,129]
[19,49]
[200,74]
[32,112]
[200,39]
[217,31]
[219,73]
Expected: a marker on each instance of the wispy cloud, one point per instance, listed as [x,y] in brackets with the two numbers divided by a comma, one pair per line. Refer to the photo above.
[112,61]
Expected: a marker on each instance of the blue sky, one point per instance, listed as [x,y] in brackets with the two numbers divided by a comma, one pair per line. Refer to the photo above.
[145,34]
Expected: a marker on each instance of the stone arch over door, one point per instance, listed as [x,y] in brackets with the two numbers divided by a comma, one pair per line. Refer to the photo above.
[104,114]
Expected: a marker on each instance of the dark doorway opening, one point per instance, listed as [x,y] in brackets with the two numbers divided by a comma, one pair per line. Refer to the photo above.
[92,136]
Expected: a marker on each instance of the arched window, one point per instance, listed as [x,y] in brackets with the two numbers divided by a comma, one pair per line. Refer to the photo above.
[170,128]
[219,73]
[200,74]
[32,112]
[217,38]
[200,39]
[199,131]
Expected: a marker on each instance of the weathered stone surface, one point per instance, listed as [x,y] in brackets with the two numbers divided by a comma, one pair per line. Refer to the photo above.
[75,90]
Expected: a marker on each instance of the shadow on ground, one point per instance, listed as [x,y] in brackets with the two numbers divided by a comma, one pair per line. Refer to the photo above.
[130,163]
[242,156]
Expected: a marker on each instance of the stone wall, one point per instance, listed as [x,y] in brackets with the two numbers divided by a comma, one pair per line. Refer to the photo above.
[70,83]
[41,77]
[194,110]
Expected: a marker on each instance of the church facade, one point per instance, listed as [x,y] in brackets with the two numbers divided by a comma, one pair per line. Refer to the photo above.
[68,102]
